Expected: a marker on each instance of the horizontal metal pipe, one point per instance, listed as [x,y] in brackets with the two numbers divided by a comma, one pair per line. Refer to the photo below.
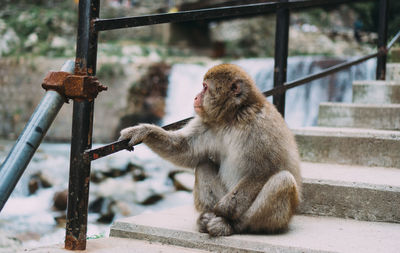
[212,13]
[182,16]
[312,77]
[29,140]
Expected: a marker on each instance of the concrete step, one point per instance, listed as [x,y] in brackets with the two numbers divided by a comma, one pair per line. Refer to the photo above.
[375,116]
[120,245]
[355,146]
[362,193]
[306,234]
[376,92]
[393,71]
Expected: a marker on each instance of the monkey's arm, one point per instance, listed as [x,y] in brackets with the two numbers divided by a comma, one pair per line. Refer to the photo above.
[175,146]
[236,202]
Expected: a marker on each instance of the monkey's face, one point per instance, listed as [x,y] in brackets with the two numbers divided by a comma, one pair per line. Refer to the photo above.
[198,100]
[217,98]
[225,89]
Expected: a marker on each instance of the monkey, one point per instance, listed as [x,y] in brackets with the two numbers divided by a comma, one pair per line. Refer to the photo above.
[246,162]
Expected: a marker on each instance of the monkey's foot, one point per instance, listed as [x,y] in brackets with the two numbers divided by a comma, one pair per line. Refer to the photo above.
[203,220]
[218,226]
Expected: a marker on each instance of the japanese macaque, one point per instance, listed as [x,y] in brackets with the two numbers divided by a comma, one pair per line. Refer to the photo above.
[247,176]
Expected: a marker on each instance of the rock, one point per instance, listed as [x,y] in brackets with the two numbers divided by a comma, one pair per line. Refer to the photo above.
[46,180]
[39,180]
[106,218]
[60,200]
[113,167]
[31,40]
[97,205]
[137,171]
[107,208]
[147,193]
[152,199]
[96,176]
[102,206]
[114,172]
[116,166]
[33,185]
[182,179]
[8,41]
[61,220]
[115,209]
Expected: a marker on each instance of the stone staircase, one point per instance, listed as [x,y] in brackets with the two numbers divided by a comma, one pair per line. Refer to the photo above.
[351,196]
[352,167]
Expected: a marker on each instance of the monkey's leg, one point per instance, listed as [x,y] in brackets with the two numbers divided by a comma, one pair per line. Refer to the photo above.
[273,207]
[207,191]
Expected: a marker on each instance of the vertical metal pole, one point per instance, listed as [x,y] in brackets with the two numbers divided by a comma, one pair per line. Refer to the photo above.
[82,125]
[382,39]
[281,54]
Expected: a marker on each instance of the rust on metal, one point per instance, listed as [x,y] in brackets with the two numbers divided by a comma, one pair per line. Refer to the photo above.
[72,243]
[77,87]
[95,154]
[383,50]
[55,81]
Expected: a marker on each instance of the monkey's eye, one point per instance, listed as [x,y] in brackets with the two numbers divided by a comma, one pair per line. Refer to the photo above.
[205,87]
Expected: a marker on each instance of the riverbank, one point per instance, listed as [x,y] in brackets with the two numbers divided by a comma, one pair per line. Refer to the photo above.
[124,184]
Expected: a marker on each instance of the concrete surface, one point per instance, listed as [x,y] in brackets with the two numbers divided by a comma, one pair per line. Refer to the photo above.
[120,245]
[306,234]
[355,146]
[393,71]
[362,193]
[376,92]
[385,116]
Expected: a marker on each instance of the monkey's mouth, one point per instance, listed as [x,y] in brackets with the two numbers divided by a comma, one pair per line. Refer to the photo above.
[198,109]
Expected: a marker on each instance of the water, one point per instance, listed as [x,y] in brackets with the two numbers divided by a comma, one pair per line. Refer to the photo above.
[301,102]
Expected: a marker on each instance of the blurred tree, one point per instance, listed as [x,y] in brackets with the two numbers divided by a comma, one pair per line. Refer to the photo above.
[368,15]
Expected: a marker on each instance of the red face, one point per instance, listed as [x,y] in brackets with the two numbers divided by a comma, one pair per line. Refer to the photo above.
[198,100]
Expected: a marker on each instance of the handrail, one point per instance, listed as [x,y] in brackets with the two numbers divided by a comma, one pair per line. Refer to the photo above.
[96,153]
[210,13]
[394,40]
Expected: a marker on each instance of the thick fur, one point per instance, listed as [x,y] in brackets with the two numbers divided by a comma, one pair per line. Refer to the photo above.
[245,157]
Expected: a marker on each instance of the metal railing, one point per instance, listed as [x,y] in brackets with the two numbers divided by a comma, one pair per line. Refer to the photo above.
[89,25]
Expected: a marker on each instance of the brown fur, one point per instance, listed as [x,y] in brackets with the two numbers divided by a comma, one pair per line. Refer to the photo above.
[245,157]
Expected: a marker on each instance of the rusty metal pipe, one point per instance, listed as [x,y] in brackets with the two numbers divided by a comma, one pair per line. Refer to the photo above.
[29,140]
[82,127]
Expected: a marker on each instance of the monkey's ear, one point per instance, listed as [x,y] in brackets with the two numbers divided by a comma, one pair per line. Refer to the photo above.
[237,88]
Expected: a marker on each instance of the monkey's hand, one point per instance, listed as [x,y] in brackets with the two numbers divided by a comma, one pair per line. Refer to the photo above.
[136,134]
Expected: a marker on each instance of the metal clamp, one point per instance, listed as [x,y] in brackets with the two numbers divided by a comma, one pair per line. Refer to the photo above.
[77,87]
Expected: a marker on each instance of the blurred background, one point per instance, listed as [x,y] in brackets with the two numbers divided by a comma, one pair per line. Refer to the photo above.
[153,74]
